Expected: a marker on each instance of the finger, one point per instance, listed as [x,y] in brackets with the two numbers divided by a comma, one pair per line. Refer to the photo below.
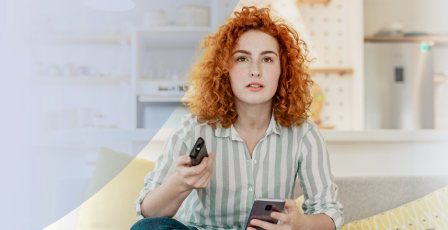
[280,216]
[183,160]
[291,206]
[198,169]
[207,176]
[205,180]
[212,159]
[211,155]
[263,224]
[250,228]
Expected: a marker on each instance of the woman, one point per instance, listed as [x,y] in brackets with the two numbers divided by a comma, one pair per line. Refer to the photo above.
[250,103]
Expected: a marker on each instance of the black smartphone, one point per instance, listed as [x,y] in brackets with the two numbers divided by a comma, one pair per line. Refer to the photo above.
[198,152]
[262,209]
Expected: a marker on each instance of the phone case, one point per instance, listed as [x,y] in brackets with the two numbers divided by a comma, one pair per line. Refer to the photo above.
[261,211]
[198,152]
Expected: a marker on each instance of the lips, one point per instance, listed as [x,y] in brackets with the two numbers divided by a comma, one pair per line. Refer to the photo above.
[255,86]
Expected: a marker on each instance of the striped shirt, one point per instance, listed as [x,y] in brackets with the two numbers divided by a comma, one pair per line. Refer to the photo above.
[237,179]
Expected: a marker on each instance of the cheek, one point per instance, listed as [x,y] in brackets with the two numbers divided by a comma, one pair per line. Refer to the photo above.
[273,74]
[236,75]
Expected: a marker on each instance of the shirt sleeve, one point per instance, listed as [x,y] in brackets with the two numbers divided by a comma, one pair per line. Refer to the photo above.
[165,166]
[316,178]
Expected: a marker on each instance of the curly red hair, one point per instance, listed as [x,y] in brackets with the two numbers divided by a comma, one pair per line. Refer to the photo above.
[213,100]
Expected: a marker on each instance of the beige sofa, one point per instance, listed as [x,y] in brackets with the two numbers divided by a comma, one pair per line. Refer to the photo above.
[110,196]
[365,196]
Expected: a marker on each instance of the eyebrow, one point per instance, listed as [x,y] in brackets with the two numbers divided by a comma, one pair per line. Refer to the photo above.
[249,53]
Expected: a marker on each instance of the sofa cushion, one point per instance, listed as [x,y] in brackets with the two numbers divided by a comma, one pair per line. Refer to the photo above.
[428,212]
[110,199]
[365,196]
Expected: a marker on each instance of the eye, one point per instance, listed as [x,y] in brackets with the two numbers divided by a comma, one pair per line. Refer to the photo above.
[241,59]
[267,59]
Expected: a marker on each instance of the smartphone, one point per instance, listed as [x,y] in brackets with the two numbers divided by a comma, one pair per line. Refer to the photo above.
[198,152]
[262,209]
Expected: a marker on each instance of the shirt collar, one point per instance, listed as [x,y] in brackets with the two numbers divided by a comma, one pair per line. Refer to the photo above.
[274,127]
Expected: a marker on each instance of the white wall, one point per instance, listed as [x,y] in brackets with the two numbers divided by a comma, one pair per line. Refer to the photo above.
[388,158]
[417,15]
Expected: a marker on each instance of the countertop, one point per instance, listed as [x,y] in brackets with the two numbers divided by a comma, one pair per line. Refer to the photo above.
[145,135]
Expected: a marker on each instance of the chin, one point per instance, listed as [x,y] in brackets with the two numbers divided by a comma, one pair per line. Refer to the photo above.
[256,101]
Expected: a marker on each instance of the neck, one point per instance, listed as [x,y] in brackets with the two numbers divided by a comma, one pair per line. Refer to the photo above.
[252,118]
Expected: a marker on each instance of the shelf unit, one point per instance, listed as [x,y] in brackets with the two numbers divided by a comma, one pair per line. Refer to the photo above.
[80,80]
[167,38]
[341,71]
[80,39]
[436,39]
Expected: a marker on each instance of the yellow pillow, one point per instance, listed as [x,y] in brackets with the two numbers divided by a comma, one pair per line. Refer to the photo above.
[299,202]
[111,206]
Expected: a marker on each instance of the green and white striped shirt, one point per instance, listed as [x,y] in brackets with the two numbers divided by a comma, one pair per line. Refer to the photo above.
[237,179]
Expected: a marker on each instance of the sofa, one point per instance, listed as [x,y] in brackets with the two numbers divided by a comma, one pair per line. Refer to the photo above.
[118,179]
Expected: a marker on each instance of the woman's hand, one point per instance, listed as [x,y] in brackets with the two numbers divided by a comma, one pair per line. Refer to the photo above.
[195,177]
[291,219]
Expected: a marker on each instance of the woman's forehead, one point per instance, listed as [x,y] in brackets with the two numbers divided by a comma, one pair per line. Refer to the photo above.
[256,40]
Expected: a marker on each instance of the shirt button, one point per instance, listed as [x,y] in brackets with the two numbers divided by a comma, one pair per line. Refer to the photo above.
[250,189]
[255,161]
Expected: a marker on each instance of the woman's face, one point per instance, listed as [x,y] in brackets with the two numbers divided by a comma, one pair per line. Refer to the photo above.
[255,68]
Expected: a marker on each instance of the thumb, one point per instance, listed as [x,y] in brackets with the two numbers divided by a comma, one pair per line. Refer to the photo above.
[187,159]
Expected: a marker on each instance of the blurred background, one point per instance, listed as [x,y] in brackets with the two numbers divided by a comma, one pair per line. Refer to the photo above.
[75,77]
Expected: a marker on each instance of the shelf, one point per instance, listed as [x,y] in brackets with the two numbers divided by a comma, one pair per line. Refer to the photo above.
[81,39]
[341,71]
[171,37]
[172,29]
[147,98]
[99,134]
[436,39]
[80,80]
[157,80]
[104,134]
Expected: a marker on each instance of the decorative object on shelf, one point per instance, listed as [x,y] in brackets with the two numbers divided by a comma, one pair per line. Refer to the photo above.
[302,2]
[317,104]
[69,70]
[148,68]
[53,71]
[193,15]
[86,117]
[110,5]
[154,18]
[392,29]
[83,71]
[124,67]
[99,120]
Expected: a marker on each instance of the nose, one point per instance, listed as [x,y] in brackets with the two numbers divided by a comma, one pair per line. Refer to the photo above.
[254,70]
